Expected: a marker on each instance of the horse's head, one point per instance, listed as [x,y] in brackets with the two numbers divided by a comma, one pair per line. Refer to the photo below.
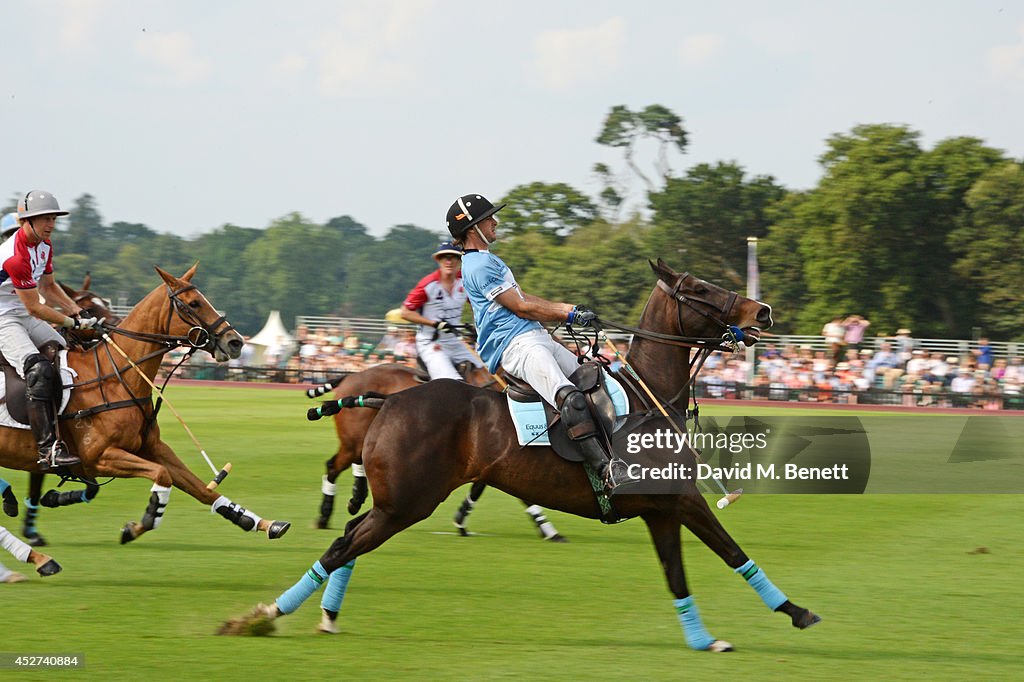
[704,310]
[196,319]
[92,304]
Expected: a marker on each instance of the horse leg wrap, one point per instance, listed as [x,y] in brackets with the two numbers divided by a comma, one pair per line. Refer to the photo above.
[52,498]
[28,526]
[547,530]
[697,636]
[765,588]
[18,549]
[236,514]
[359,488]
[463,513]
[334,593]
[327,503]
[158,497]
[292,598]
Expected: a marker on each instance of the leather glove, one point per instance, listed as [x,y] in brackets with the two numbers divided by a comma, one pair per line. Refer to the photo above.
[442,327]
[580,316]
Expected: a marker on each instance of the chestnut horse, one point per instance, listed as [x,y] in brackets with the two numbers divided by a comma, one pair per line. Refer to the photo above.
[94,306]
[110,421]
[433,438]
[351,426]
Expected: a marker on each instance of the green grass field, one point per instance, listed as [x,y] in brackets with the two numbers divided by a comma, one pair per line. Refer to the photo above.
[897,579]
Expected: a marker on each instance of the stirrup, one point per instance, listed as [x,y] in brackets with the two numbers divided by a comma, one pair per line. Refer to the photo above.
[57,457]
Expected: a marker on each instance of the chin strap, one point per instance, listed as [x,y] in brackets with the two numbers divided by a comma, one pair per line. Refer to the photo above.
[481,235]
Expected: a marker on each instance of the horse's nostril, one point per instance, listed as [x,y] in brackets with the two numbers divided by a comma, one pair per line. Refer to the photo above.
[235,345]
[764,315]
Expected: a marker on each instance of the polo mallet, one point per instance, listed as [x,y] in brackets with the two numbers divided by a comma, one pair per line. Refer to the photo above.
[729,497]
[218,475]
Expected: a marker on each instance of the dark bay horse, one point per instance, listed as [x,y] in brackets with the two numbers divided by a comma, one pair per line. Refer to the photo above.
[110,422]
[433,438]
[351,426]
[96,306]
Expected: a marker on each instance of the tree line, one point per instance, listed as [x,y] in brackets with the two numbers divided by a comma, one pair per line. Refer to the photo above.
[931,239]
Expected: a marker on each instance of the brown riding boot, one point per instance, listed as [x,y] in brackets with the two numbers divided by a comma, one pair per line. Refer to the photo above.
[53,453]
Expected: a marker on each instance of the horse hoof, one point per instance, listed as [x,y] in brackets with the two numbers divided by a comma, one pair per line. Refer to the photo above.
[806,620]
[321,523]
[277,528]
[13,577]
[327,625]
[557,537]
[128,533]
[720,645]
[354,507]
[51,567]
[36,540]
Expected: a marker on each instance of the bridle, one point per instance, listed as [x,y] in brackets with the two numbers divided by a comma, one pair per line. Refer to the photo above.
[200,336]
[731,334]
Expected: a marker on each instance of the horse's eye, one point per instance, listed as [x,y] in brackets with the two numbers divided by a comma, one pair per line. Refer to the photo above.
[194,305]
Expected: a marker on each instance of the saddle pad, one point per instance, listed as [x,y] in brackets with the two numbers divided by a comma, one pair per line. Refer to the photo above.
[531,422]
[67,377]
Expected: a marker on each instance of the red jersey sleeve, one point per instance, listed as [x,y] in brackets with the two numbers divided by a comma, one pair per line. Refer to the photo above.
[19,268]
[49,260]
[418,296]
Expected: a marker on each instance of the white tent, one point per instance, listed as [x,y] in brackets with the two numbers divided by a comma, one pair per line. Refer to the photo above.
[273,341]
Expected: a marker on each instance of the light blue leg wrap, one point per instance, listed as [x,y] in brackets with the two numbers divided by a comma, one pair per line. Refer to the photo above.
[4,485]
[30,516]
[770,595]
[334,593]
[697,636]
[292,598]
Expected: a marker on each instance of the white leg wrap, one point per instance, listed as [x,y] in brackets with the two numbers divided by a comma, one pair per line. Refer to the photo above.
[225,502]
[536,512]
[18,549]
[358,470]
[163,495]
[328,488]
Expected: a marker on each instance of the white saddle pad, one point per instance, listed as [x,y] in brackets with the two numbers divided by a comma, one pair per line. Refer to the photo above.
[531,422]
[67,377]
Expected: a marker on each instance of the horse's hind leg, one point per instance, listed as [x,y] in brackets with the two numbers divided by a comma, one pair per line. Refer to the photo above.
[699,519]
[328,489]
[664,532]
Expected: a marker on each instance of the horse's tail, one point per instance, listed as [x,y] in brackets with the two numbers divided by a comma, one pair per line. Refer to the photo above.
[325,387]
[370,399]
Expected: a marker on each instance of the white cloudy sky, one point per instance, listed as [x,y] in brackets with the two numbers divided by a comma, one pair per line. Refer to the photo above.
[187,114]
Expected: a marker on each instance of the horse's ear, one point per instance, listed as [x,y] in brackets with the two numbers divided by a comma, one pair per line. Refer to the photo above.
[87,282]
[191,271]
[661,269]
[167,277]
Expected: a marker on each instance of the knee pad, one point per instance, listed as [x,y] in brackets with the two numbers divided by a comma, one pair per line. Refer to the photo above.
[39,378]
[573,409]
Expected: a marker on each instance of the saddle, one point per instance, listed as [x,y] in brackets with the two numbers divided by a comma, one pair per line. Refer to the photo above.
[589,378]
[464,368]
[14,393]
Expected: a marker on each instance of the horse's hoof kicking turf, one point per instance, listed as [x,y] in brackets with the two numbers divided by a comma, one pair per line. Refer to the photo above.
[51,567]
[277,528]
[557,537]
[35,540]
[327,625]
[720,645]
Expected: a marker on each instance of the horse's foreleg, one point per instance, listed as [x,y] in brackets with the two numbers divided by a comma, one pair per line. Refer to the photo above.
[183,479]
[546,528]
[475,491]
[123,464]
[700,520]
[28,524]
[664,532]
[359,489]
